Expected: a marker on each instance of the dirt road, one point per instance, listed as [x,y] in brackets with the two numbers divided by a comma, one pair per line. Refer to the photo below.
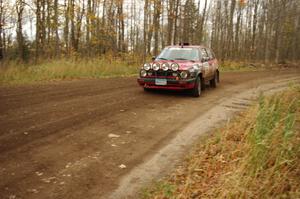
[54,139]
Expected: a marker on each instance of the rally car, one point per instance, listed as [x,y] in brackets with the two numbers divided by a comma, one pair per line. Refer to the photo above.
[181,67]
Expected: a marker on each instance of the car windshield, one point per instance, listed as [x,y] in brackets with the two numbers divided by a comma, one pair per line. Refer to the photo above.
[179,54]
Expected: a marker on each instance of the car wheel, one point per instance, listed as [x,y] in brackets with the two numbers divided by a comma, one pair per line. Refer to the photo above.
[213,82]
[196,91]
[218,77]
[202,84]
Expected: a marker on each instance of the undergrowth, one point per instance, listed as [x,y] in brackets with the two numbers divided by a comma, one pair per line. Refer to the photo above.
[19,73]
[14,72]
[257,155]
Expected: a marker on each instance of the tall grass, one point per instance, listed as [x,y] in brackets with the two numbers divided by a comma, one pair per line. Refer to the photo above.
[231,65]
[271,168]
[255,156]
[13,72]
[227,66]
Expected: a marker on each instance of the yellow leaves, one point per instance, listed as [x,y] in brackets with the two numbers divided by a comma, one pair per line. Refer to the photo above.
[242,3]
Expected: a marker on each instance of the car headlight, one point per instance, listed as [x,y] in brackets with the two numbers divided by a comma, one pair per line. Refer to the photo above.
[191,70]
[184,74]
[147,66]
[175,67]
[143,73]
[165,66]
[155,66]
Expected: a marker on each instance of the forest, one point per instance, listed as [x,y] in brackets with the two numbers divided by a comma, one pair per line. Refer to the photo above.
[256,30]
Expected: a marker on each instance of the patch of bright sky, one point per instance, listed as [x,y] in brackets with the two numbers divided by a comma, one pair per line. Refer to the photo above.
[133,17]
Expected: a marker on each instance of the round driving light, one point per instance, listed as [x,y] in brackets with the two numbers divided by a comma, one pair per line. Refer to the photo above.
[155,66]
[174,74]
[165,67]
[183,74]
[175,67]
[147,66]
[143,73]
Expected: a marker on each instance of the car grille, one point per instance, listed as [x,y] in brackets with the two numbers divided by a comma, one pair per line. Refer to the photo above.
[162,73]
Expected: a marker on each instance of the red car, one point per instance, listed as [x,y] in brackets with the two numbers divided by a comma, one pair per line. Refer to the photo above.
[181,67]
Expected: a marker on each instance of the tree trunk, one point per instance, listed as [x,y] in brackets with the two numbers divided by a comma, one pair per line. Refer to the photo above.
[175,35]
[202,21]
[254,25]
[145,28]
[87,18]
[156,20]
[19,31]
[171,17]
[1,30]
[56,26]
[121,35]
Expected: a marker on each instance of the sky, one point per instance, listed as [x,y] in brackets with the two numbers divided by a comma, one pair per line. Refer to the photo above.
[29,17]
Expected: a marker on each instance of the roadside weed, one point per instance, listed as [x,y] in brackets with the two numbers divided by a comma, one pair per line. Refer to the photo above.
[256,155]
[18,73]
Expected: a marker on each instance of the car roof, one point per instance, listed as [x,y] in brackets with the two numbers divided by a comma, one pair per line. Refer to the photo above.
[186,46]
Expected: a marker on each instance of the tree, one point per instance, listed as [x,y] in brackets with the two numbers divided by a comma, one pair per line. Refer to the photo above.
[19,30]
[236,29]
[156,24]
[121,27]
[55,27]
[1,30]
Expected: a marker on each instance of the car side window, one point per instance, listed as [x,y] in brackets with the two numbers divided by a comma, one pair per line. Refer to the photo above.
[203,53]
[210,54]
[200,53]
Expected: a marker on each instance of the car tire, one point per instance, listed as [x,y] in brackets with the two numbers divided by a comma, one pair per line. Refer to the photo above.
[196,91]
[203,85]
[218,77]
[146,89]
[213,82]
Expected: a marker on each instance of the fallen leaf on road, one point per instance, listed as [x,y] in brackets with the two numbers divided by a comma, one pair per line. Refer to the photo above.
[39,173]
[48,180]
[12,197]
[122,166]
[68,165]
[32,190]
[111,135]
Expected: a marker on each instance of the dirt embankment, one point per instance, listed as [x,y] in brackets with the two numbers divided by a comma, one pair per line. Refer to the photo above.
[54,139]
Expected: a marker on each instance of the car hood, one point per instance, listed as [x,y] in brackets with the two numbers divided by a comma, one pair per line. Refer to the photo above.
[183,64]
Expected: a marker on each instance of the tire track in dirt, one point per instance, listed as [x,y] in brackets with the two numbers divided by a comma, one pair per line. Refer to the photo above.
[164,160]
[68,153]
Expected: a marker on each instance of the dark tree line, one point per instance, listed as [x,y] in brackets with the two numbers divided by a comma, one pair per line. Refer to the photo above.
[259,30]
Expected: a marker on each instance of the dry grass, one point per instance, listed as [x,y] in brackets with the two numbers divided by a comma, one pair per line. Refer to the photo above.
[232,66]
[14,72]
[255,156]
[18,73]
[239,66]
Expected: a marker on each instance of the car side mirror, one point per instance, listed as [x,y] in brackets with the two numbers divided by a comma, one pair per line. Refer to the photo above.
[153,58]
[204,59]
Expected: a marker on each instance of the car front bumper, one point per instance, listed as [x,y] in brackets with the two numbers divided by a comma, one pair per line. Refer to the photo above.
[172,84]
